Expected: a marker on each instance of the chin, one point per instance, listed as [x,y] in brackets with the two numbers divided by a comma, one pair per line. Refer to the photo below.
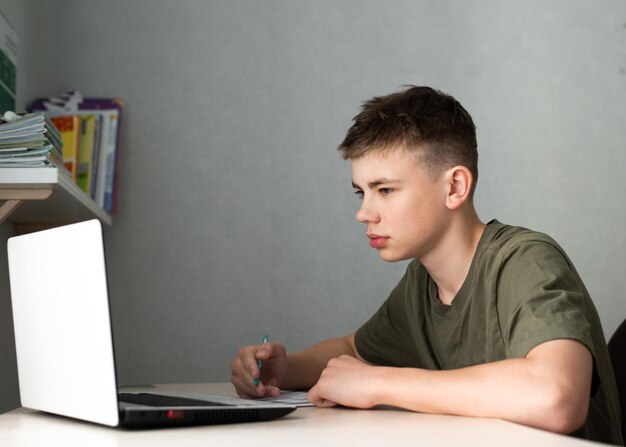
[392,257]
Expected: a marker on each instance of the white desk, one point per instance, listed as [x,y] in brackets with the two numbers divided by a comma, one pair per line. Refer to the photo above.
[304,427]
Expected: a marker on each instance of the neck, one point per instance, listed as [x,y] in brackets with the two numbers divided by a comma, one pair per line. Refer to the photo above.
[450,262]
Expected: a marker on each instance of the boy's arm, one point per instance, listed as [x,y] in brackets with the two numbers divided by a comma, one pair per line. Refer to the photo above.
[548,389]
[305,367]
[281,370]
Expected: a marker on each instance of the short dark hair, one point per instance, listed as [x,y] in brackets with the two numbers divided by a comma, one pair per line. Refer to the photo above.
[420,119]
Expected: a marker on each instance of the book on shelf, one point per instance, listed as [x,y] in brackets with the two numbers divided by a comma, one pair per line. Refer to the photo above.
[98,166]
[69,126]
[29,141]
[27,174]
[88,132]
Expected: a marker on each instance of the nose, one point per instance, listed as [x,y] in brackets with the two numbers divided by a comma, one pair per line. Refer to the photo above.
[367,212]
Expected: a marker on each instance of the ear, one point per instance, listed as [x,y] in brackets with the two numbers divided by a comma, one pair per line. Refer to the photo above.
[459,181]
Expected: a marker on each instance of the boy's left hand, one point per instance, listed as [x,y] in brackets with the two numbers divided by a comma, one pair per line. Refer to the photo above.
[346,381]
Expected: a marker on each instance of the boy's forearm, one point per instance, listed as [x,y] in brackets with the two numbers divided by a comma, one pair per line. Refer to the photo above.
[304,367]
[514,390]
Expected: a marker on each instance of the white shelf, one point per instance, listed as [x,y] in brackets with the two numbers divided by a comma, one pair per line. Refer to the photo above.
[67,203]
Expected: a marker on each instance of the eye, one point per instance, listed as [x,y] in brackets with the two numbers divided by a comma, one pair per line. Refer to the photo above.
[385,191]
[359,193]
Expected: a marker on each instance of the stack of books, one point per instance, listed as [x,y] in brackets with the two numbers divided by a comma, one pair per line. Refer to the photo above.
[90,132]
[30,141]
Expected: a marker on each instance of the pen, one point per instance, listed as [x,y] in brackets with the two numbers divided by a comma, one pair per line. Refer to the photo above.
[260,362]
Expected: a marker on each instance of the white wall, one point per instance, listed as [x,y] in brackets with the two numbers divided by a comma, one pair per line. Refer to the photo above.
[236,213]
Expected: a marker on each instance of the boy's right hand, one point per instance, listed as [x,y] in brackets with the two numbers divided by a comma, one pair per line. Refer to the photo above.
[244,369]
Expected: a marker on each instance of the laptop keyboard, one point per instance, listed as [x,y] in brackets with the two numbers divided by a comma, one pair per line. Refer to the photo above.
[158,400]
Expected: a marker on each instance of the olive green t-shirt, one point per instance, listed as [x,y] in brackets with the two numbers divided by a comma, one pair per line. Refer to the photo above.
[521,290]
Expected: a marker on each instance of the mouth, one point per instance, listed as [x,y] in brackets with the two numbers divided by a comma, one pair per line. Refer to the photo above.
[377,241]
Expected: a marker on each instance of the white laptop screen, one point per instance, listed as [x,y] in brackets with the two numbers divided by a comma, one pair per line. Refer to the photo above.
[62,325]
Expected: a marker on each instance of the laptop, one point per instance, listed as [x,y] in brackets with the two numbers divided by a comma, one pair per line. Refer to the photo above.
[64,342]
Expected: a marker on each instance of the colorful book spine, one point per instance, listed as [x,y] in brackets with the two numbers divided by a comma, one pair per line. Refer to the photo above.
[95,156]
[110,172]
[69,126]
[85,152]
[106,158]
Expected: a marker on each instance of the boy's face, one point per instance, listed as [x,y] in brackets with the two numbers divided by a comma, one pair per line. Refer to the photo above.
[403,208]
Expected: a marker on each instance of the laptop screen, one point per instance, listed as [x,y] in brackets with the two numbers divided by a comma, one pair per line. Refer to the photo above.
[62,324]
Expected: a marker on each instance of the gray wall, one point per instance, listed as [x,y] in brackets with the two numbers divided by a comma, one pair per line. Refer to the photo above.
[236,213]
[16,15]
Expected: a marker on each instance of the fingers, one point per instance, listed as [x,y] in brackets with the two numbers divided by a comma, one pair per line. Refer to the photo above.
[316,398]
[331,388]
[245,369]
[245,388]
[272,391]
[327,404]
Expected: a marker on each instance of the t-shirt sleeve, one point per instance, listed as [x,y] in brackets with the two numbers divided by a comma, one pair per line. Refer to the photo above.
[540,298]
[385,338]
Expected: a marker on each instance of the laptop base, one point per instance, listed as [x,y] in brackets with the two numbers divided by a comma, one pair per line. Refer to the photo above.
[141,418]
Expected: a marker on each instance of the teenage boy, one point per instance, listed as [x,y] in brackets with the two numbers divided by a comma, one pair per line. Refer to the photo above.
[489,320]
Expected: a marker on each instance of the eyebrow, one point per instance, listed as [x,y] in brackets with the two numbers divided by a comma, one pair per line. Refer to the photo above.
[378,182]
